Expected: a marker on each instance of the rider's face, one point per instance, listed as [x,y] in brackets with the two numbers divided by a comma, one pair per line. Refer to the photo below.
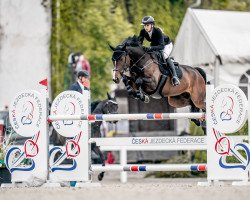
[84,81]
[148,27]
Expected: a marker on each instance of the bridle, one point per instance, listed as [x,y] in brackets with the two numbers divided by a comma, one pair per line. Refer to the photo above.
[125,69]
[107,103]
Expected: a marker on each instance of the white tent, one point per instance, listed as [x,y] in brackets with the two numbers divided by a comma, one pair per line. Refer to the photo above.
[25,28]
[217,41]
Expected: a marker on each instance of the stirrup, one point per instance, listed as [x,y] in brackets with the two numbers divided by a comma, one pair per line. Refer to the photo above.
[175,81]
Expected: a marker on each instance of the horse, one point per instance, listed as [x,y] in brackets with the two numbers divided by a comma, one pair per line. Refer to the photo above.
[146,79]
[107,106]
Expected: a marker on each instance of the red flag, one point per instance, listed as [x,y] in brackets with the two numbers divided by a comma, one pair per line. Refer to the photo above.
[44,82]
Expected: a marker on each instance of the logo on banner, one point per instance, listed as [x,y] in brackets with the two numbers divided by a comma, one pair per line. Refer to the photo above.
[27,111]
[17,159]
[228,108]
[70,151]
[225,147]
[70,103]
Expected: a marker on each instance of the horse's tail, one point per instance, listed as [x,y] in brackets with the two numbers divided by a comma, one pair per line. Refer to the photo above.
[202,72]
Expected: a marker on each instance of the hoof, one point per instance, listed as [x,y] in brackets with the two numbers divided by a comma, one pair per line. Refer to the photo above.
[100,176]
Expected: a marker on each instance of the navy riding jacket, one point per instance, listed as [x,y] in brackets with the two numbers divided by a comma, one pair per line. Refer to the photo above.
[158,39]
[76,87]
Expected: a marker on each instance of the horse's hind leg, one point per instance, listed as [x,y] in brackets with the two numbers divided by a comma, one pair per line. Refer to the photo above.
[204,124]
[97,150]
[199,122]
[179,101]
[182,101]
[194,109]
[198,103]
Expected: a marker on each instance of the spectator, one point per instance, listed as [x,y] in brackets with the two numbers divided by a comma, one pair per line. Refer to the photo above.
[78,62]
[82,82]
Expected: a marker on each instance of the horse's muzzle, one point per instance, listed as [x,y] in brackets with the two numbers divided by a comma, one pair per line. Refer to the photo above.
[116,80]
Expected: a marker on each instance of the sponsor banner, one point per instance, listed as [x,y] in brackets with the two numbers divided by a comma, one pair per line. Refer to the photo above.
[168,140]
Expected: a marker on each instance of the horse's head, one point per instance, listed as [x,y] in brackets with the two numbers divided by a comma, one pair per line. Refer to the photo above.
[121,62]
[110,105]
[122,56]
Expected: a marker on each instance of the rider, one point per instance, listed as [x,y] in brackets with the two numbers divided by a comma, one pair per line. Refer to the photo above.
[159,41]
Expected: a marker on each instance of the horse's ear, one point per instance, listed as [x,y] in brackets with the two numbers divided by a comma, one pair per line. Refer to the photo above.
[124,48]
[109,97]
[112,48]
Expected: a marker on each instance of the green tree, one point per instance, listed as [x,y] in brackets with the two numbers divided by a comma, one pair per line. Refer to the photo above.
[86,27]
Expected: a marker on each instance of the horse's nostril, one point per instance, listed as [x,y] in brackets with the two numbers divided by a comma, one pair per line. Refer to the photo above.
[116,80]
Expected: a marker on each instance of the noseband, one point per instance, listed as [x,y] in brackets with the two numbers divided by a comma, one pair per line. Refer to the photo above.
[125,69]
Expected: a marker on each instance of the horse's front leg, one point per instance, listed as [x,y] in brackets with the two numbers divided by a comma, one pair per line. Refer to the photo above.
[140,94]
[129,84]
[134,88]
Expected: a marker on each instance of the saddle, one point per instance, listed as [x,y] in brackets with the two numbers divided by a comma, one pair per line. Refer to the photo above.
[164,69]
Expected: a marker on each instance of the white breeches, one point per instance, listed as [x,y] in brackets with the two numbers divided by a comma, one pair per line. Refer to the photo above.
[167,50]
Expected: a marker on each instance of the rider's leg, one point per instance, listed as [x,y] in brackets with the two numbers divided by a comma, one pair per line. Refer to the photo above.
[175,79]
[166,52]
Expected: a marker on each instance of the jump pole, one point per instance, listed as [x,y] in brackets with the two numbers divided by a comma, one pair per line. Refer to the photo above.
[148,167]
[118,117]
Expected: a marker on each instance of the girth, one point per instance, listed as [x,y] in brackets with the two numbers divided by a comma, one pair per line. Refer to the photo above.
[157,93]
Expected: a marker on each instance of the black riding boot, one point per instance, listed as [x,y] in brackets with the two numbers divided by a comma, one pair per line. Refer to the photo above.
[175,80]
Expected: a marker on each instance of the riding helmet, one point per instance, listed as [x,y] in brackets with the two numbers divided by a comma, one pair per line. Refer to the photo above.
[147,20]
[83,73]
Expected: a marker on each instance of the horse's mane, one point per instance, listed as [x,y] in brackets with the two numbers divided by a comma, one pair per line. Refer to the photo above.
[131,41]
[94,104]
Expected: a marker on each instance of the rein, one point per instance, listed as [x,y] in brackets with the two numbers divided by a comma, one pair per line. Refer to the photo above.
[134,65]
[144,66]
[125,69]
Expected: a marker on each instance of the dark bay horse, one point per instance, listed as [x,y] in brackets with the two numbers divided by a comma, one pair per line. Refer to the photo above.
[145,76]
